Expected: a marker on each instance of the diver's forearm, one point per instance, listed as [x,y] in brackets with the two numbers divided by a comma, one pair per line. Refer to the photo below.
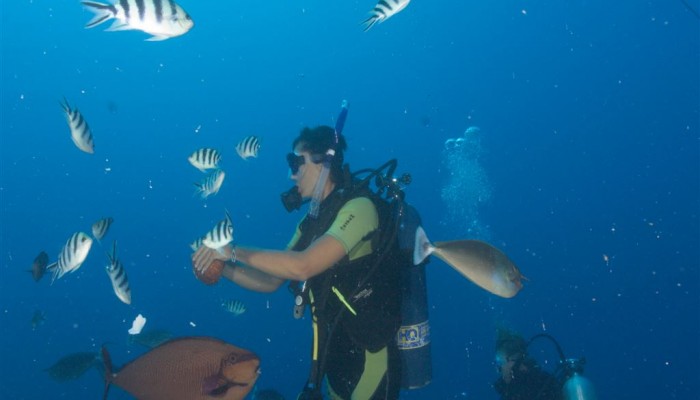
[251,279]
[281,264]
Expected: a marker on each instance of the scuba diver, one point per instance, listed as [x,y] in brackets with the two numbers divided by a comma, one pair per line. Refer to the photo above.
[357,261]
[521,378]
[334,266]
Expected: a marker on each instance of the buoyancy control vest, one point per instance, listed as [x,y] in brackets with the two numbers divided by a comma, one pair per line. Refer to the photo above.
[363,294]
[384,288]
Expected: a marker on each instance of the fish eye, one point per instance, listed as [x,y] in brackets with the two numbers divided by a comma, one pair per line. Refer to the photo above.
[232,358]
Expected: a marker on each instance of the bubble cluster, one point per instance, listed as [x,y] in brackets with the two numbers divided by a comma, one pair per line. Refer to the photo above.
[467,187]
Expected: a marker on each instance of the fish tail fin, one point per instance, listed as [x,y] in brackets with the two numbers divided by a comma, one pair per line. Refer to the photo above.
[199,191]
[107,363]
[422,248]
[369,22]
[103,12]
[65,105]
[55,271]
[113,257]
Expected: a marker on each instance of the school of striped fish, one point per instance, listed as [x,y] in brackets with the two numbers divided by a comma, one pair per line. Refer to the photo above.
[161,20]
[74,253]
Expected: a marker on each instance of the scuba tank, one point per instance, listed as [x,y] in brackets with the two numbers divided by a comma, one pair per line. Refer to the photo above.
[577,386]
[570,370]
[413,337]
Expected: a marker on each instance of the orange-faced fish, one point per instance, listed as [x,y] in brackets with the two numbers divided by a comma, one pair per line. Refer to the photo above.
[248,147]
[162,19]
[73,366]
[72,255]
[80,132]
[100,228]
[478,261]
[210,184]
[205,158]
[39,266]
[117,275]
[384,10]
[190,368]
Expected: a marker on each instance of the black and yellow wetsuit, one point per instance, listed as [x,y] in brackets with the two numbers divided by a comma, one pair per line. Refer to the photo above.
[355,304]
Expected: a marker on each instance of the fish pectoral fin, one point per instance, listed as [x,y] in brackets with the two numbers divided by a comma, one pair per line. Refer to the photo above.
[158,38]
[119,26]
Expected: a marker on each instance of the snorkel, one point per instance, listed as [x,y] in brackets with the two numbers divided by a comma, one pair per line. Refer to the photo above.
[316,198]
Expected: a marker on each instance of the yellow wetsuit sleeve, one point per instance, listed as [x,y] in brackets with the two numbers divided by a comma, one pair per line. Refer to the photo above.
[354,221]
[295,238]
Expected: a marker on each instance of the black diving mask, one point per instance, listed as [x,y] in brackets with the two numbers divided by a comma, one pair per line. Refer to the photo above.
[295,161]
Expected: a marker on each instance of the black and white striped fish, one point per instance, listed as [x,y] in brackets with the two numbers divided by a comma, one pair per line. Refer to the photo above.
[221,235]
[210,184]
[72,255]
[205,158]
[100,228]
[384,10]
[196,244]
[161,18]
[117,275]
[248,147]
[79,129]
[235,307]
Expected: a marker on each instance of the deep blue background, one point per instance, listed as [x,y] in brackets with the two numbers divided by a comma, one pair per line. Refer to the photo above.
[589,113]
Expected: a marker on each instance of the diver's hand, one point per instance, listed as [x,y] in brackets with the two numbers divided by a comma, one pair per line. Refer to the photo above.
[204,256]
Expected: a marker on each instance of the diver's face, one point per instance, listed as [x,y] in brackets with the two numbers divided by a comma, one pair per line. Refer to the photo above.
[306,175]
[505,367]
[507,371]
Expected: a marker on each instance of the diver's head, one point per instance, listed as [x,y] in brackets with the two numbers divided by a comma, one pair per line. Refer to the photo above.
[317,141]
[511,352]
[310,151]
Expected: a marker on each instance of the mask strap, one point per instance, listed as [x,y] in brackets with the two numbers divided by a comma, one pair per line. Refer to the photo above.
[316,198]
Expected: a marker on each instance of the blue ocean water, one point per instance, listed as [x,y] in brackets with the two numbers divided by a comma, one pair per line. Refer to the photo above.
[589,117]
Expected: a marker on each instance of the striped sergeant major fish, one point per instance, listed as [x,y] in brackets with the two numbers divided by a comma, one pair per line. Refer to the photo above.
[117,275]
[235,307]
[161,18]
[384,10]
[196,244]
[205,158]
[210,184]
[100,228]
[221,235]
[72,255]
[79,129]
[248,147]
